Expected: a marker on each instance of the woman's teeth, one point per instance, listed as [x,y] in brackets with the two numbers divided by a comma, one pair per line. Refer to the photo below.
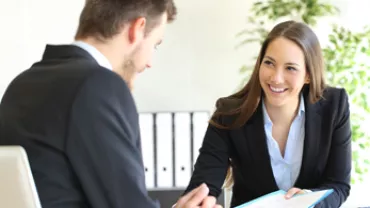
[278,90]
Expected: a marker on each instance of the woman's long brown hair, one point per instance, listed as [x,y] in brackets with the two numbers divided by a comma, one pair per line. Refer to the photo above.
[248,98]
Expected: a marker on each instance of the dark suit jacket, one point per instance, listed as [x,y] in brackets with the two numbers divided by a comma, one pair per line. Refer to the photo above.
[326,159]
[79,126]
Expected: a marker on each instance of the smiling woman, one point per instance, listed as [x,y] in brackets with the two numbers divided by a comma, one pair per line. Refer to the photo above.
[283,73]
[284,130]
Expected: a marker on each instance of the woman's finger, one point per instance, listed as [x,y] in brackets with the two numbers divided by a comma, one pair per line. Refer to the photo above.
[292,192]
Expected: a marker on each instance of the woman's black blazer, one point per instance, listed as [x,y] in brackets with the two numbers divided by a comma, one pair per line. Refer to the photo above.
[326,162]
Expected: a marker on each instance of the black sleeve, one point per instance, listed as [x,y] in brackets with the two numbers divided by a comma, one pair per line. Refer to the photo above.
[337,174]
[212,163]
[103,144]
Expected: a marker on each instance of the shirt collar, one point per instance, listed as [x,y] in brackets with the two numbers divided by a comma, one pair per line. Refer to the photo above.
[266,117]
[95,53]
[301,106]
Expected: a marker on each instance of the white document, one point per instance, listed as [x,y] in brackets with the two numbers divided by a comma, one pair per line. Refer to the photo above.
[146,131]
[200,124]
[182,149]
[278,200]
[164,150]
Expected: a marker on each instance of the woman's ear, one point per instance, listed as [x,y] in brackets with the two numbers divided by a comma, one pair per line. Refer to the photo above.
[307,80]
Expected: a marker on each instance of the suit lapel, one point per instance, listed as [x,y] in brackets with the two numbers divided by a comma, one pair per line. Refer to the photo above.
[257,146]
[311,142]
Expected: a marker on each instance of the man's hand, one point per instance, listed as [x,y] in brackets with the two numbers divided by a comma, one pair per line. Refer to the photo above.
[197,198]
[210,202]
[294,191]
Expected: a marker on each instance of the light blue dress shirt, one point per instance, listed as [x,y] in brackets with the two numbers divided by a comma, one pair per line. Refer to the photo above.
[286,169]
[95,53]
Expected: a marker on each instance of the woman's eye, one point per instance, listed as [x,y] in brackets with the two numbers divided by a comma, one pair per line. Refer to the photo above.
[291,68]
[268,62]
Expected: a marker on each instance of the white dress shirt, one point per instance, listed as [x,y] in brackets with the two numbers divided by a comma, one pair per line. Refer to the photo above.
[95,53]
[286,168]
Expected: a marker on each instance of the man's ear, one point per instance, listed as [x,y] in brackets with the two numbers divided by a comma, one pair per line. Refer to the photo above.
[136,31]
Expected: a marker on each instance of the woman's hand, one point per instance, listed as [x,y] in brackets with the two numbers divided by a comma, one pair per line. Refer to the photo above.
[294,191]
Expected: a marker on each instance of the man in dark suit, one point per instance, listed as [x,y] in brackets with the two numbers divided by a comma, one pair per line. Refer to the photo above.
[74,114]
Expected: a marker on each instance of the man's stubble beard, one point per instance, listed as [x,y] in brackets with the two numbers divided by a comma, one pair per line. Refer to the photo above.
[129,72]
[129,69]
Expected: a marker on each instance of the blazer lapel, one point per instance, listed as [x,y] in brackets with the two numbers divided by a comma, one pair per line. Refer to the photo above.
[311,142]
[257,146]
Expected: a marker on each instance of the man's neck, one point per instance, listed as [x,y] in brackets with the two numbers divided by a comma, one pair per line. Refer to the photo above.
[113,53]
[107,48]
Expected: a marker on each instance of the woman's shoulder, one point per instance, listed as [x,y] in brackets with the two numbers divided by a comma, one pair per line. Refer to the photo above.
[334,95]
[228,104]
[331,92]
[335,101]
[227,110]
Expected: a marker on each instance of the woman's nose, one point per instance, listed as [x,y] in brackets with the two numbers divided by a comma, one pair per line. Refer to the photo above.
[277,77]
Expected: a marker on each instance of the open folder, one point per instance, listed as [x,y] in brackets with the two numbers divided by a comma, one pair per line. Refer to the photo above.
[277,199]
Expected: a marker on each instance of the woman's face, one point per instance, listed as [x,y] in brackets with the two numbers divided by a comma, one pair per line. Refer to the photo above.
[282,72]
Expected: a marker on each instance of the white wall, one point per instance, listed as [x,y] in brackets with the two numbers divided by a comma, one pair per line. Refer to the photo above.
[196,64]
[27,25]
[11,41]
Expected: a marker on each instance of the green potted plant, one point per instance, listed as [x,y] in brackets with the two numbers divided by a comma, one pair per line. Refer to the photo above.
[347,64]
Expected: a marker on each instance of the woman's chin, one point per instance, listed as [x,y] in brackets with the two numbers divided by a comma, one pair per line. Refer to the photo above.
[275,101]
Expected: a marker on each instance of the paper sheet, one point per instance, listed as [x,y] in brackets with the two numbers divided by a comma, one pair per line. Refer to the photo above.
[277,200]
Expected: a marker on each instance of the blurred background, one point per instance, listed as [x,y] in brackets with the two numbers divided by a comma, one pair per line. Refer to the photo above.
[207,53]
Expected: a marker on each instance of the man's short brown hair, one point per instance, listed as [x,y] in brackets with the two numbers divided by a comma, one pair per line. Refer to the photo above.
[105,18]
